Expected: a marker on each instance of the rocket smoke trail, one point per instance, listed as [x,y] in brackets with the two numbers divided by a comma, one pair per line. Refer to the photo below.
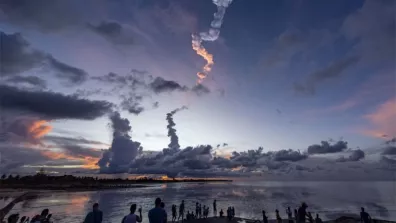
[211,35]
[174,144]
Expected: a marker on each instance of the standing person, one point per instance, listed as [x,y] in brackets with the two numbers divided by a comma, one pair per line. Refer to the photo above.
[302,212]
[196,209]
[278,218]
[317,219]
[166,214]
[289,215]
[232,211]
[364,216]
[157,214]
[95,216]
[265,218]
[174,213]
[181,211]
[310,218]
[214,208]
[221,213]
[132,217]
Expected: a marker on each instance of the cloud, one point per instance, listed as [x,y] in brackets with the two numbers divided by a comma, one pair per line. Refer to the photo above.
[72,140]
[31,80]
[200,89]
[123,149]
[333,70]
[160,85]
[373,28]
[382,120]
[355,156]
[131,103]
[389,150]
[326,147]
[52,105]
[17,56]
[113,32]
[65,71]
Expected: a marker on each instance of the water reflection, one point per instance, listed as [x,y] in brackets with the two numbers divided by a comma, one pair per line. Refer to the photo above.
[326,198]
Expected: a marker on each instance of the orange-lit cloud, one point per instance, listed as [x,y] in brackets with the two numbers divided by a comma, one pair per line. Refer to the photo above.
[39,128]
[88,161]
[382,120]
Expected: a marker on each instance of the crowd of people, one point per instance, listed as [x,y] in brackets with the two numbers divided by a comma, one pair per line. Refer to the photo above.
[158,214]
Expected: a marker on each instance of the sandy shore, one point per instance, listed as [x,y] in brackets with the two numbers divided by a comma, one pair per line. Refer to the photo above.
[243,220]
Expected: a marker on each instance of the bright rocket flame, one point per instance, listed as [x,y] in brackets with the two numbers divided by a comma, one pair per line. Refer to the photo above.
[39,128]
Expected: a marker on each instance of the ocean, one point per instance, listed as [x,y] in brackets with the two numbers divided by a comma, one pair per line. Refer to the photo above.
[249,198]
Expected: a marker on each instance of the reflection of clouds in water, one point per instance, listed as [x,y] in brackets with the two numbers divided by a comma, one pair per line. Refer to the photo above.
[248,199]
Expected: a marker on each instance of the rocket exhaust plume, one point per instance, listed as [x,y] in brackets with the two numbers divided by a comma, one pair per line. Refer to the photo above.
[211,35]
[174,144]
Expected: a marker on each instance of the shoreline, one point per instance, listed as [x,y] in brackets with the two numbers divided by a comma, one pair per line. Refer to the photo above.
[77,187]
[245,220]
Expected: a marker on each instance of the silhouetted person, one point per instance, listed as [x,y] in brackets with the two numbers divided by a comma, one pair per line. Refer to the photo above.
[174,213]
[132,217]
[95,216]
[232,211]
[310,218]
[289,215]
[364,216]
[181,211]
[200,211]
[13,218]
[295,215]
[23,219]
[278,218]
[302,212]
[5,210]
[317,219]
[196,209]
[49,218]
[157,214]
[265,218]
[166,214]
[214,208]
[221,213]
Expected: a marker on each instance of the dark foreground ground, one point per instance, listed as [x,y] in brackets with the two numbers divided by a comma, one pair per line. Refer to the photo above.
[242,220]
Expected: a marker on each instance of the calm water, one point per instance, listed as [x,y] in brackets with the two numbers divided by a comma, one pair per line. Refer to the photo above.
[249,198]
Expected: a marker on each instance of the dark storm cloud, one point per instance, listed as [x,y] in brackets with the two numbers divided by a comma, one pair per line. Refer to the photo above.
[289,155]
[31,80]
[52,105]
[334,70]
[356,155]
[326,147]
[113,32]
[200,89]
[65,71]
[123,149]
[389,150]
[160,85]
[17,56]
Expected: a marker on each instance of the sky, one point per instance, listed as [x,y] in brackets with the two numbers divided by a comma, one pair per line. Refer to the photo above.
[112,87]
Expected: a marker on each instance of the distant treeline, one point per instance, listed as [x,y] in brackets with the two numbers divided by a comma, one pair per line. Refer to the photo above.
[70,182]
